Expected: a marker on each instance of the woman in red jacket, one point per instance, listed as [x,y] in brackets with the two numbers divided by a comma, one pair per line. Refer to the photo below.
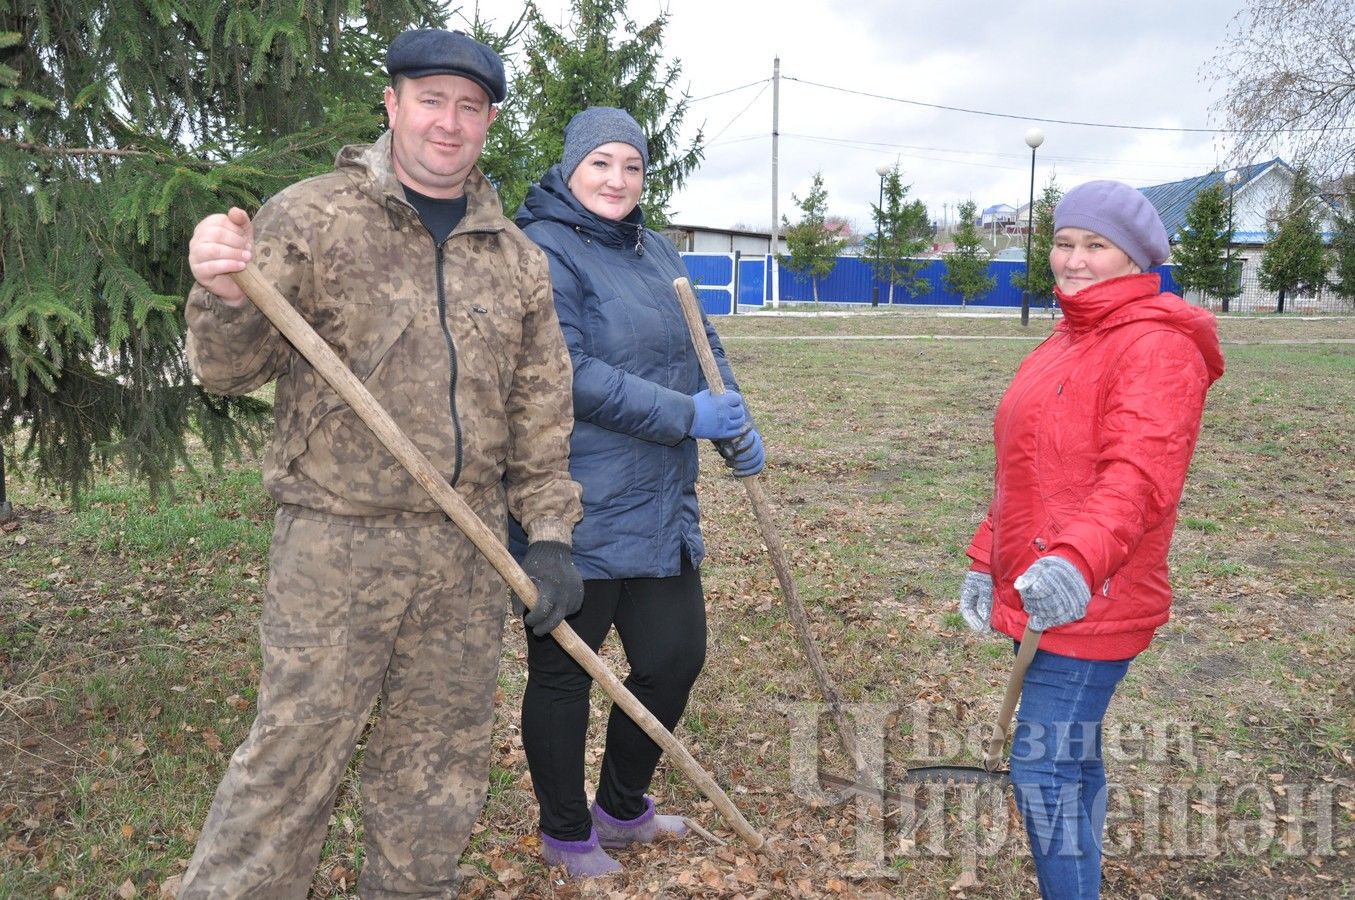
[1093,439]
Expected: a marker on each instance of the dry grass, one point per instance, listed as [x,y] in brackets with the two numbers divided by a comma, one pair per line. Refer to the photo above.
[127,647]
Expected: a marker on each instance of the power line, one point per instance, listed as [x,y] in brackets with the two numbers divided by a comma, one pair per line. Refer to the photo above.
[870,145]
[981,112]
[740,113]
[742,139]
[730,91]
[910,150]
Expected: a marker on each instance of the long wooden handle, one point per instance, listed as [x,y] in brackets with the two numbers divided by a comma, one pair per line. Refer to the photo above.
[1030,642]
[320,355]
[771,536]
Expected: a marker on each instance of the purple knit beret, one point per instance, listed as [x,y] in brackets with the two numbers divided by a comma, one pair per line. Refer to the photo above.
[1120,214]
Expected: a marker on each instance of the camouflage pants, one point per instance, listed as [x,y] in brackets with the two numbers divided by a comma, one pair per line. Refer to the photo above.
[356,610]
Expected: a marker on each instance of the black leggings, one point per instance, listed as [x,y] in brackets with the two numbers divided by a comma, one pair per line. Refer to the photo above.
[662,624]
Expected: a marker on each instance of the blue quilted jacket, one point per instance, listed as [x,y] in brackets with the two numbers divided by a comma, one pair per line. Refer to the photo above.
[634,374]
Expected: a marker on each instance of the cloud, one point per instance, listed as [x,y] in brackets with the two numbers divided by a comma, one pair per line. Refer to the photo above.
[1137,64]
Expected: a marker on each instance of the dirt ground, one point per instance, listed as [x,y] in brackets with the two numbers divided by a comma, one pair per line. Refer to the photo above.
[128,653]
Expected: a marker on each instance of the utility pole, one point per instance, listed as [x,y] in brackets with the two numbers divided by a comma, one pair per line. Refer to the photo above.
[776,219]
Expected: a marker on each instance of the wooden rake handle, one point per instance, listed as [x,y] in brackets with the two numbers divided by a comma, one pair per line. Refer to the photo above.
[320,355]
[771,536]
[1030,642]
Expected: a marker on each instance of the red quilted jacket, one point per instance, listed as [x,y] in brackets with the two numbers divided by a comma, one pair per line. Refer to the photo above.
[1093,439]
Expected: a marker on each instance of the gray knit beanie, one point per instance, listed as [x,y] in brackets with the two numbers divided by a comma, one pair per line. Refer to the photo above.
[598,125]
[1120,214]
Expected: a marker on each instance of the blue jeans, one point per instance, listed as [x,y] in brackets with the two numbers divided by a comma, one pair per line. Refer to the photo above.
[1057,775]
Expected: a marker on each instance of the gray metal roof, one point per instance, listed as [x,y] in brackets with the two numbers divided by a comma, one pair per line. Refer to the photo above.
[1173,199]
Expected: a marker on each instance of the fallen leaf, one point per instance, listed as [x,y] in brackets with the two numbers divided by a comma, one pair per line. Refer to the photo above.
[966,881]
[127,890]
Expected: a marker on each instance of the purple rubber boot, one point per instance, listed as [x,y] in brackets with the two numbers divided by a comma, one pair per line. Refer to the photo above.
[642,829]
[581,859]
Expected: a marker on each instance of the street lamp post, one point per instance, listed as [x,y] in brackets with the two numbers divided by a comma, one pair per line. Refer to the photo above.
[1231,177]
[1034,138]
[882,170]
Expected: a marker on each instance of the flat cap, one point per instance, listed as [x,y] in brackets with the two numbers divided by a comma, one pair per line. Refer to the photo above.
[432,51]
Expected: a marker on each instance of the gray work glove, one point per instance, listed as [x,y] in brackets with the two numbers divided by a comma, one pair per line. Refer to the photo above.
[1053,592]
[559,588]
[976,601]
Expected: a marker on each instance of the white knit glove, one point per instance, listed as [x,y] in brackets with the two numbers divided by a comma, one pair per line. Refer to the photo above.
[976,601]
[1053,592]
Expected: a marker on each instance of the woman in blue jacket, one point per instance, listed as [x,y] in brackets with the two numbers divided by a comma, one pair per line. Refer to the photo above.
[640,403]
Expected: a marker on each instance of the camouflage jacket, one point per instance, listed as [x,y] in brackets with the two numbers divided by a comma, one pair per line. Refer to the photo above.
[459,343]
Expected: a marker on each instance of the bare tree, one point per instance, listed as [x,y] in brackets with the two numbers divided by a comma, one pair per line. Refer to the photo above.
[1289,69]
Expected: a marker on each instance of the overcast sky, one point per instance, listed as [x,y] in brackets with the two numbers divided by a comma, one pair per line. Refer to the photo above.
[1144,63]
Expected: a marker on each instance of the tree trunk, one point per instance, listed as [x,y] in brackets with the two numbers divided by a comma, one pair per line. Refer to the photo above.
[891,293]
[814,281]
[1279,307]
[6,510]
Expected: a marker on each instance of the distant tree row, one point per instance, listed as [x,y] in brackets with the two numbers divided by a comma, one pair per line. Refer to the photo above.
[903,231]
[1294,260]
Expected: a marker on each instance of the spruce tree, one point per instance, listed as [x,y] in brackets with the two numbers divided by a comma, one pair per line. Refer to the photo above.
[1294,260]
[967,265]
[1343,242]
[813,245]
[1041,277]
[121,125]
[1201,252]
[903,231]
[565,70]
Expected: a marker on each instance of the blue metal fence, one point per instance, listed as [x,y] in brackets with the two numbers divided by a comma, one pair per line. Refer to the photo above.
[712,275]
[851,281]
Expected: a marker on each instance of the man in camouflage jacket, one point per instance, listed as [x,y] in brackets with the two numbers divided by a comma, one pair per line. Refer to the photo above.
[372,592]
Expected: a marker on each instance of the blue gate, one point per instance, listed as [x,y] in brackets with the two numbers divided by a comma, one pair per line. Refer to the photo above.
[753,281]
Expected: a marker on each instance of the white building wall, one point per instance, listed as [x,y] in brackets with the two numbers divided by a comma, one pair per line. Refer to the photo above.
[1257,203]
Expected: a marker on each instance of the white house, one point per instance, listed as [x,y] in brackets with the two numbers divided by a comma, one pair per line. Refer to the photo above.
[1259,198]
[998,215]
[704,239]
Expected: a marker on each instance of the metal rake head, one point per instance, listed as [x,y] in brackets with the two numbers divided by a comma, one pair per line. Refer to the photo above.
[957,775]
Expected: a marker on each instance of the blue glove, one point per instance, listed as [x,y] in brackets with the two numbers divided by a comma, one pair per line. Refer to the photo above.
[743,454]
[976,601]
[559,588]
[717,416]
[1053,592]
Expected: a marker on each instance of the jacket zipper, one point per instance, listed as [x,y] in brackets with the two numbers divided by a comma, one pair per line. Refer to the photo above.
[451,352]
